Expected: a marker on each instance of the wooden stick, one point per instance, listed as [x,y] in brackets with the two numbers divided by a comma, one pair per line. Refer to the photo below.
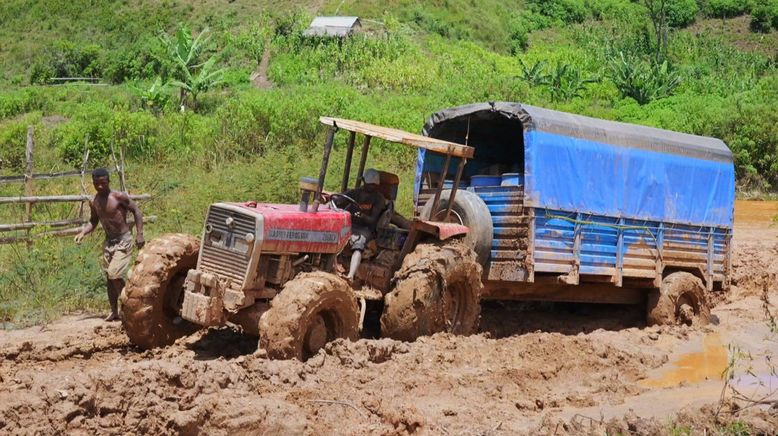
[63,232]
[83,171]
[122,177]
[43,176]
[28,189]
[62,223]
[59,198]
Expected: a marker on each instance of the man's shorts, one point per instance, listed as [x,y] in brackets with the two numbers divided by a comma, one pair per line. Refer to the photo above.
[359,238]
[117,253]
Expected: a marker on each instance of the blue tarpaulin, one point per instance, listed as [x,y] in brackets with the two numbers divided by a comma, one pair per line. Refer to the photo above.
[580,164]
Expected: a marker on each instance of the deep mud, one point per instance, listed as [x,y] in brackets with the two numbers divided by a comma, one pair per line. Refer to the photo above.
[533,368]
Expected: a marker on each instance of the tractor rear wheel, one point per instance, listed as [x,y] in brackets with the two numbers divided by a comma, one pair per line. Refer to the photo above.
[680,300]
[311,310]
[438,289]
[151,299]
[470,211]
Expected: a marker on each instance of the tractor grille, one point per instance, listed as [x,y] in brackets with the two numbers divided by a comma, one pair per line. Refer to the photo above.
[225,251]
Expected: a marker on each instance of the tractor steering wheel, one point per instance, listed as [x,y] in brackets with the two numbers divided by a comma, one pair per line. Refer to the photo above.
[351,201]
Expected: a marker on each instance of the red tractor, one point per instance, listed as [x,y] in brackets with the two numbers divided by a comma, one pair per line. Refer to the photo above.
[273,269]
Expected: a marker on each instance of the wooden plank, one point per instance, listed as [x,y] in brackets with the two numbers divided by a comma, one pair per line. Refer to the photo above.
[28,189]
[401,137]
[63,232]
[42,176]
[61,223]
[59,198]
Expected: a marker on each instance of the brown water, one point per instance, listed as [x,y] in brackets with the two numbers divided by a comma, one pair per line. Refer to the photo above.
[755,212]
[707,364]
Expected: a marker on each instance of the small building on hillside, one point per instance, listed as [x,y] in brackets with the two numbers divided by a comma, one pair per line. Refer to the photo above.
[339,27]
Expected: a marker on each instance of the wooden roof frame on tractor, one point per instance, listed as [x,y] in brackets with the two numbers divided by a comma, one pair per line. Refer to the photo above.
[449,149]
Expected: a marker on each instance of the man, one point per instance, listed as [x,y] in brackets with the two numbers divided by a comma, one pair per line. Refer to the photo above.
[365,214]
[110,209]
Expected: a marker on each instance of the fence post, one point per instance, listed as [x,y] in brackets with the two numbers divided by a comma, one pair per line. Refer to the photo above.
[28,188]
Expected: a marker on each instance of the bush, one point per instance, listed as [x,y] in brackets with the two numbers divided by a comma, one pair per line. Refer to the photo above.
[565,11]
[13,140]
[644,81]
[681,13]
[764,17]
[520,27]
[727,8]
[105,128]
[141,60]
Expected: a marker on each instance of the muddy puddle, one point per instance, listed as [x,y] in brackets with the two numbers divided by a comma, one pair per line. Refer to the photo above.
[755,212]
[690,368]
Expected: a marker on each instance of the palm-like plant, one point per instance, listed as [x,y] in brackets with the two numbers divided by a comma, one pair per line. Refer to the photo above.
[643,81]
[534,75]
[566,82]
[155,97]
[191,76]
[205,78]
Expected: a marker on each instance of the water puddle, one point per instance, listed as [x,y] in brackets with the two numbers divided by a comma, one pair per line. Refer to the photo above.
[755,212]
[689,368]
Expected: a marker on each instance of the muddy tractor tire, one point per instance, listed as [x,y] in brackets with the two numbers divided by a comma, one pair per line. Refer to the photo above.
[680,300]
[151,299]
[437,289]
[311,310]
[471,211]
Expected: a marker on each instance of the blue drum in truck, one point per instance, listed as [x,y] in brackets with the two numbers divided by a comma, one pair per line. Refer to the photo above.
[563,207]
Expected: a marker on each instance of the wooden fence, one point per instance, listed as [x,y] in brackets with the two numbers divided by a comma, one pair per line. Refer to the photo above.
[62,227]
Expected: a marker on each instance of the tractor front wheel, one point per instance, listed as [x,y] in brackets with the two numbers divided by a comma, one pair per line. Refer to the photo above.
[151,299]
[311,310]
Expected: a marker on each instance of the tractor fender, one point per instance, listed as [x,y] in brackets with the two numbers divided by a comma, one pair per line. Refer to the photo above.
[439,230]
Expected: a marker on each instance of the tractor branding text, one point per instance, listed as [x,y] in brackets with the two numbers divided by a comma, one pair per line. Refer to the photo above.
[302,236]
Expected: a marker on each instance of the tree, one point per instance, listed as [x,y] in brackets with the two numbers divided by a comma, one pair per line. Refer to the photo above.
[657,12]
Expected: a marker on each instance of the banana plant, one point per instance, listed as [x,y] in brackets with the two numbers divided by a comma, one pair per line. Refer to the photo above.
[191,76]
[205,78]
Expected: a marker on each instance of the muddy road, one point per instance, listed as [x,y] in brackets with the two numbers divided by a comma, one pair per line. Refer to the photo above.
[533,368]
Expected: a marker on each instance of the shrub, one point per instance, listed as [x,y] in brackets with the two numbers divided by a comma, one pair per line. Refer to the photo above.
[764,17]
[644,81]
[141,60]
[727,8]
[565,11]
[681,13]
[13,140]
[520,27]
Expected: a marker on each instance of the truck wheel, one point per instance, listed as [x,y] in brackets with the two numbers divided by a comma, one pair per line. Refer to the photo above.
[680,300]
[471,211]
[438,289]
[152,298]
[311,310]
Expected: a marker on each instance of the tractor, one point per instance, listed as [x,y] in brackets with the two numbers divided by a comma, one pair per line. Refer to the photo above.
[276,270]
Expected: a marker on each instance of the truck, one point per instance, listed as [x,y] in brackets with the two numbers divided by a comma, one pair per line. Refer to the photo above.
[275,270]
[562,207]
[511,202]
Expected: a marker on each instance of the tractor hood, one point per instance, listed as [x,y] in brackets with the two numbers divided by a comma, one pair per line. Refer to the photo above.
[283,228]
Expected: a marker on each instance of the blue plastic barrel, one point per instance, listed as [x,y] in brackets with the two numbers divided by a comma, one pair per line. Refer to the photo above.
[512,179]
[485,180]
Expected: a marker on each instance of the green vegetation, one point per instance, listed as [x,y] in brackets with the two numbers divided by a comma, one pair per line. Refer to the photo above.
[611,59]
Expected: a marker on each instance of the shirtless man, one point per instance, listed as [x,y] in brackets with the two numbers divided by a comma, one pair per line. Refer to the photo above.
[110,209]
